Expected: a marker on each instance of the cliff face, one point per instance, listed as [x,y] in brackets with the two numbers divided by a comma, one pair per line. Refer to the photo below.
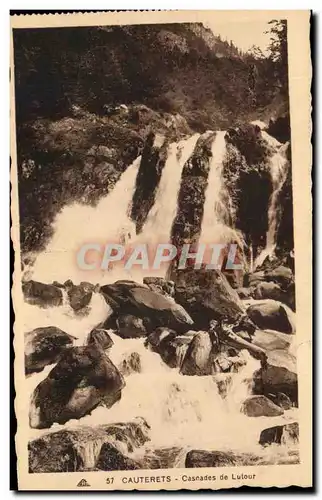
[248,180]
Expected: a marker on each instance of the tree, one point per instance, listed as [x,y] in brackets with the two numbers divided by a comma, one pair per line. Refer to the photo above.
[278,53]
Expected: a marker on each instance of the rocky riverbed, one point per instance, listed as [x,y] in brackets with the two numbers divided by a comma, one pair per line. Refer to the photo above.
[141,375]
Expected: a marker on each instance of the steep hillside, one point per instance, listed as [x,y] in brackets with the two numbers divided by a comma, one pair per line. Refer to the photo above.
[88,98]
[173,68]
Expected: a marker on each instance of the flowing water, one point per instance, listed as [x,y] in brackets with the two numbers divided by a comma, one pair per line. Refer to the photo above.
[278,169]
[185,412]
[157,227]
[214,227]
[182,411]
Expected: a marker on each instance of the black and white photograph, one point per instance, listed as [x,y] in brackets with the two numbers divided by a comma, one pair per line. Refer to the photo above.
[155,249]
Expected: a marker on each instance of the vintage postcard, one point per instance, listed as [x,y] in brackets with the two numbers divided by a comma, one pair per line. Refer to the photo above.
[161,222]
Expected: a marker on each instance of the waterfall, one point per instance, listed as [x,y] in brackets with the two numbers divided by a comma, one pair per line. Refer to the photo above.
[278,169]
[160,218]
[217,207]
[184,411]
[109,222]
[212,216]
[78,224]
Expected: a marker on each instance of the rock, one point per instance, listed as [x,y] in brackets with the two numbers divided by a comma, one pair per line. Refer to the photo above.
[206,295]
[280,128]
[155,338]
[197,360]
[269,290]
[260,406]
[272,315]
[173,350]
[222,363]
[82,448]
[281,275]
[42,295]
[43,346]
[89,287]
[272,379]
[160,285]
[160,458]
[163,311]
[142,302]
[225,363]
[83,378]
[100,337]
[280,399]
[280,434]
[68,284]
[131,364]
[130,327]
[79,297]
[171,346]
[204,458]
[110,458]
[272,341]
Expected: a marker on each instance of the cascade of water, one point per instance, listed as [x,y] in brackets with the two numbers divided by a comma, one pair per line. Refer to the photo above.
[212,223]
[78,224]
[160,218]
[182,411]
[214,228]
[278,169]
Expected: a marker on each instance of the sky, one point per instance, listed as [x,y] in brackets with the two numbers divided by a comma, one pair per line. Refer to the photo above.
[243,34]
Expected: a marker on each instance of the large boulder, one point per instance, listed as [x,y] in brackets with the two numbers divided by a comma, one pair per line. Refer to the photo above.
[271,290]
[197,360]
[152,306]
[280,399]
[42,295]
[280,434]
[111,459]
[260,406]
[130,327]
[272,315]
[206,295]
[43,346]
[85,448]
[272,341]
[271,380]
[83,378]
